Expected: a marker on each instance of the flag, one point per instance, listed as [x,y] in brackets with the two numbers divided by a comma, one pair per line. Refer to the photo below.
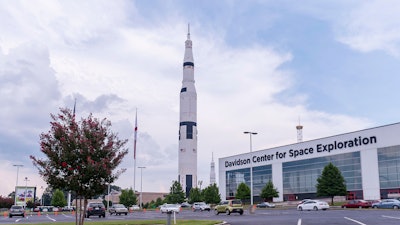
[134,141]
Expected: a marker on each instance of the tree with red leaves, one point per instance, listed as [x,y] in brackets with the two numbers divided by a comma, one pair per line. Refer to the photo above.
[80,156]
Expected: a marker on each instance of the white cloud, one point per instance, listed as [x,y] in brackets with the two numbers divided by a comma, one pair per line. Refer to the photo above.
[373,25]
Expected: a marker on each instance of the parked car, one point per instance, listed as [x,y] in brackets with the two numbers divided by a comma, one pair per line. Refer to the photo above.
[134,208]
[16,210]
[68,209]
[166,208]
[185,205]
[265,205]
[202,206]
[229,206]
[95,209]
[118,209]
[387,203]
[357,204]
[313,205]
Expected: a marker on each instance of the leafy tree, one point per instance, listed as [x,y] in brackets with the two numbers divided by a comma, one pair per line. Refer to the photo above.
[243,192]
[6,202]
[80,156]
[176,194]
[195,195]
[159,201]
[331,182]
[127,198]
[58,199]
[269,192]
[211,194]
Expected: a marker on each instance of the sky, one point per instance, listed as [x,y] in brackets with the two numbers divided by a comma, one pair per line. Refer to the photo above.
[260,66]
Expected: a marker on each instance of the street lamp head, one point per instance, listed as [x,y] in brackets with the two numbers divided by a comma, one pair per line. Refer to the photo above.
[248,132]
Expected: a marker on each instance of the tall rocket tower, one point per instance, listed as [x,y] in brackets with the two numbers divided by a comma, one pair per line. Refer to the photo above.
[212,170]
[187,156]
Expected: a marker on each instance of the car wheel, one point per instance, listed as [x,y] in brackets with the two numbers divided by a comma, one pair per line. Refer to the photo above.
[360,207]
[315,208]
[344,207]
[375,207]
[228,212]
[10,216]
[395,207]
[301,208]
[241,212]
[126,214]
[216,212]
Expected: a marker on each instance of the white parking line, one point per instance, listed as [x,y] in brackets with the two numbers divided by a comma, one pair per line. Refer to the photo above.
[299,222]
[392,217]
[355,221]
[48,217]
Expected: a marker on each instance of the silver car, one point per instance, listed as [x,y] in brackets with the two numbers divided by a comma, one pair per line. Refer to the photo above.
[313,205]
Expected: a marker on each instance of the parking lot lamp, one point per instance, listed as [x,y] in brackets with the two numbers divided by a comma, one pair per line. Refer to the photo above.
[251,167]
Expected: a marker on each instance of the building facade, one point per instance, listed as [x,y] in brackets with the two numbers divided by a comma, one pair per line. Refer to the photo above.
[369,160]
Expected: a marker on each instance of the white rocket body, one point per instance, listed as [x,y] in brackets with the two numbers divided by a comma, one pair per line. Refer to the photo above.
[187,156]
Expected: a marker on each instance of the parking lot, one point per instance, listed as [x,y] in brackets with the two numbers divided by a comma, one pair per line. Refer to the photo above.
[261,216]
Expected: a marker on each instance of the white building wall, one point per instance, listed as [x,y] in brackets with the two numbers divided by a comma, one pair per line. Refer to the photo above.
[277,180]
[370,173]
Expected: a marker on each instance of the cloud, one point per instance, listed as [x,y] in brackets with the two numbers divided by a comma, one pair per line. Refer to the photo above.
[366,28]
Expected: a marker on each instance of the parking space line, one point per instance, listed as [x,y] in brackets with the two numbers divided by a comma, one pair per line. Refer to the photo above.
[299,222]
[391,217]
[48,217]
[355,221]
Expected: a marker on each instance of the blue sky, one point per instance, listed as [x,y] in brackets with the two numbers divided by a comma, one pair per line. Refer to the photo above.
[260,66]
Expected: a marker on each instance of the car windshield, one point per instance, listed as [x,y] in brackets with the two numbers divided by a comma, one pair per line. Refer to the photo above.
[119,206]
[16,207]
[236,202]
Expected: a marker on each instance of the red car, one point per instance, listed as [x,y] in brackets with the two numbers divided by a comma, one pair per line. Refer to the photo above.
[357,204]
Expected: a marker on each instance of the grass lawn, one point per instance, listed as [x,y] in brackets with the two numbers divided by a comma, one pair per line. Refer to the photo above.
[142,222]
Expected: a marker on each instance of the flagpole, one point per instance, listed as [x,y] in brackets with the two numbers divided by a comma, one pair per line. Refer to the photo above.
[134,154]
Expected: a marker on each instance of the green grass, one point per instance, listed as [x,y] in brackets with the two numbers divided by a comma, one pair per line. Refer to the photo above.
[141,222]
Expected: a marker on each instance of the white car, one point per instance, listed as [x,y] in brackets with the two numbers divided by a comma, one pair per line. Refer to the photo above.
[313,205]
[166,208]
[134,208]
[202,206]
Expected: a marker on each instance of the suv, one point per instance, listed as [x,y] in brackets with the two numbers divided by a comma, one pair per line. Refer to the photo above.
[95,209]
[16,210]
[229,206]
[202,206]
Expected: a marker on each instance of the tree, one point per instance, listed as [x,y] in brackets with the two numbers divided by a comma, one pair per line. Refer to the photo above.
[80,156]
[176,194]
[331,182]
[269,192]
[58,199]
[243,192]
[127,198]
[211,194]
[195,195]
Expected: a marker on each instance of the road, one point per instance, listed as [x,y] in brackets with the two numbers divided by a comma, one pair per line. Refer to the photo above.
[261,216]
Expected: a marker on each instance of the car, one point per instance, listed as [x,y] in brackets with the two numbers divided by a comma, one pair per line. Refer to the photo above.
[68,209]
[265,205]
[134,208]
[16,210]
[185,205]
[387,203]
[202,206]
[118,209]
[168,208]
[304,200]
[229,206]
[95,209]
[357,204]
[313,205]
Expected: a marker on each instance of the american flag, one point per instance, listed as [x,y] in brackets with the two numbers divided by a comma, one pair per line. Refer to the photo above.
[134,141]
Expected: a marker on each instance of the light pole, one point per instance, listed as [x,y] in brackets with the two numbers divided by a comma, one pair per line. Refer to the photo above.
[141,184]
[251,167]
[16,185]
[26,189]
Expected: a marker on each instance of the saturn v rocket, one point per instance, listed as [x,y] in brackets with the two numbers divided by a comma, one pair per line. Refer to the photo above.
[187,162]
